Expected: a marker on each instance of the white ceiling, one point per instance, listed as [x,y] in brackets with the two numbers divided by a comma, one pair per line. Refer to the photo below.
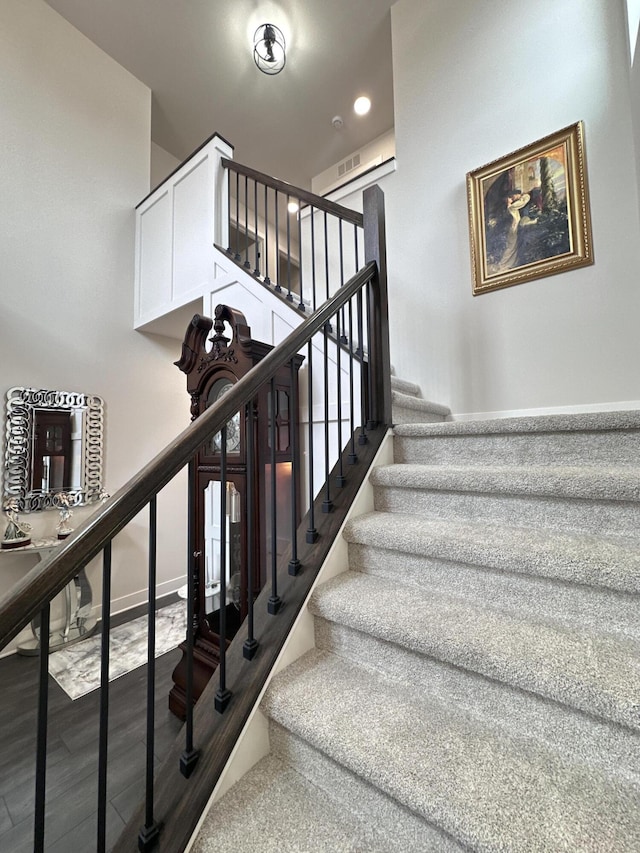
[196,57]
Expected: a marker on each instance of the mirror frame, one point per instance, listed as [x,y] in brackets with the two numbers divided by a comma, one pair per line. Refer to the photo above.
[21,406]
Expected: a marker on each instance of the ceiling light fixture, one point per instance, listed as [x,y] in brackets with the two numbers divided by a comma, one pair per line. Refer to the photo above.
[362,105]
[293,207]
[269,49]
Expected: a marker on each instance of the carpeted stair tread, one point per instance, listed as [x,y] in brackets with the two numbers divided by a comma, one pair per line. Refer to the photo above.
[612,484]
[401,828]
[594,673]
[578,736]
[540,424]
[409,403]
[405,387]
[589,559]
[273,809]
[487,789]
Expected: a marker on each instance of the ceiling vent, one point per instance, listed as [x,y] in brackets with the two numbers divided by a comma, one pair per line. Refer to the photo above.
[349,164]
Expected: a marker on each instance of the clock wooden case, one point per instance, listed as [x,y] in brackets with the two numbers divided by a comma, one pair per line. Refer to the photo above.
[212,366]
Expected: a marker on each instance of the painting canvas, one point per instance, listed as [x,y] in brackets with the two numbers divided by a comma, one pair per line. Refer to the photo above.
[528,212]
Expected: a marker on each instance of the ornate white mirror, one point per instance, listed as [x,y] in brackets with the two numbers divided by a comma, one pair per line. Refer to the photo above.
[53,444]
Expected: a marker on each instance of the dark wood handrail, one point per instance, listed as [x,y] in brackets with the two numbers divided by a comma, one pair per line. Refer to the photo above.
[316,201]
[27,598]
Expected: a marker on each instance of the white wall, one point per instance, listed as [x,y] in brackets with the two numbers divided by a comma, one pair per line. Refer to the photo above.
[472,82]
[75,161]
[162,165]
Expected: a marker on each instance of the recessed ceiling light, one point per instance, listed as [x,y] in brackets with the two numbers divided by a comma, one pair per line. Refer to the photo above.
[293,207]
[362,105]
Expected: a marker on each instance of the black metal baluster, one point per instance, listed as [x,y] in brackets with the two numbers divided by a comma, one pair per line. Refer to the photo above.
[362,438]
[313,262]
[223,695]
[250,646]
[289,294]
[342,338]
[312,533]
[301,304]
[256,269]
[189,757]
[267,280]
[41,748]
[353,456]
[247,265]
[294,563]
[237,252]
[150,831]
[326,256]
[371,422]
[327,503]
[340,478]
[105,628]
[274,603]
[277,273]
[229,249]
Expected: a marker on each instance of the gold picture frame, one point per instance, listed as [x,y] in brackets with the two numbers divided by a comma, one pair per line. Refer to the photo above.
[529,212]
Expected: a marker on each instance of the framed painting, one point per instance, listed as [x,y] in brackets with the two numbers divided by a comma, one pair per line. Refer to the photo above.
[529,212]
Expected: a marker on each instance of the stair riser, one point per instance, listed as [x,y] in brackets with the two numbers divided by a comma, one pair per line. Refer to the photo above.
[559,448]
[573,604]
[403,415]
[409,832]
[615,518]
[614,749]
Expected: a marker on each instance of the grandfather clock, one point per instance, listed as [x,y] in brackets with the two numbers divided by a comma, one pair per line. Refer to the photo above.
[212,367]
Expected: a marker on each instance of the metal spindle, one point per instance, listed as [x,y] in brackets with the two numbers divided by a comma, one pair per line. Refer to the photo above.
[340,478]
[223,695]
[256,269]
[150,831]
[189,757]
[246,264]
[41,749]
[369,321]
[267,280]
[313,262]
[326,254]
[341,338]
[274,602]
[301,304]
[278,285]
[289,294]
[237,252]
[362,438]
[250,646]
[353,456]
[294,563]
[312,533]
[105,628]
[327,503]
[229,249]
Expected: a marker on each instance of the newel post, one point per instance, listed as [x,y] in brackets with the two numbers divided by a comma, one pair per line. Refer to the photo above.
[378,309]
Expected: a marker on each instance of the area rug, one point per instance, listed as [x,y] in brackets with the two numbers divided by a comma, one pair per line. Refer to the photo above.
[77,669]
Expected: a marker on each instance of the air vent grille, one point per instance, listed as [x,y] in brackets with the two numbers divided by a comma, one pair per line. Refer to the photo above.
[348,165]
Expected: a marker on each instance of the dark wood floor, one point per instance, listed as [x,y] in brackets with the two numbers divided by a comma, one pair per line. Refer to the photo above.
[72,749]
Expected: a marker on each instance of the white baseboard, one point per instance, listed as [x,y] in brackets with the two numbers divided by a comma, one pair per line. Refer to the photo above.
[586,408]
[126,602]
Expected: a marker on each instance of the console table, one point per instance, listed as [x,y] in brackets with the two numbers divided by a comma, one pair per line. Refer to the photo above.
[76,623]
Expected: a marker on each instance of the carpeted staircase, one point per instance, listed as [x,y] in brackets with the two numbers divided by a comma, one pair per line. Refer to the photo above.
[476,681]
